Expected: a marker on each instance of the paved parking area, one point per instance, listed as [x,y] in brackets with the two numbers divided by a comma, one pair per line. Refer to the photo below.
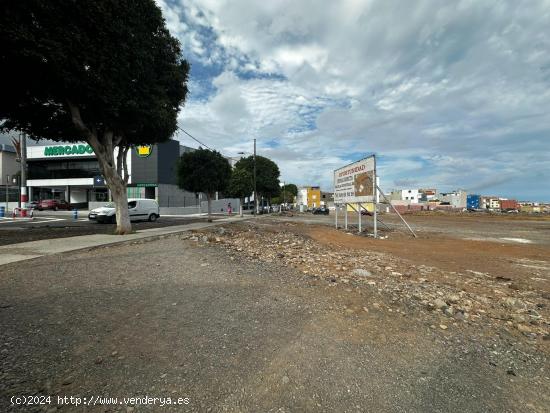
[61,224]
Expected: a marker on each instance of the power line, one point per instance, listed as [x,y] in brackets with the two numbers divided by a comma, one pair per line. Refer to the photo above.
[200,143]
[195,139]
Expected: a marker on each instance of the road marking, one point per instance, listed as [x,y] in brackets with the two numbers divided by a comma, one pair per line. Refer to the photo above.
[46,220]
[11,220]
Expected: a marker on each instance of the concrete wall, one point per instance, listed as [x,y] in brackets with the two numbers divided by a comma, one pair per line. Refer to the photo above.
[179,210]
[173,196]
[455,199]
[220,204]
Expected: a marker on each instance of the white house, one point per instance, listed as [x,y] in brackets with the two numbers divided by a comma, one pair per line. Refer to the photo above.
[412,196]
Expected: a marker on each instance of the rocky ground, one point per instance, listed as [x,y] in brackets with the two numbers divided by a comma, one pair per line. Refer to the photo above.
[510,317]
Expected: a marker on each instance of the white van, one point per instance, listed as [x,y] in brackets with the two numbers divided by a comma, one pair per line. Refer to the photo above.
[138,209]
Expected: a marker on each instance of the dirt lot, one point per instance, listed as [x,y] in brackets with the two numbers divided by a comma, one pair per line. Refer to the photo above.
[278,315]
[526,265]
[508,278]
[502,228]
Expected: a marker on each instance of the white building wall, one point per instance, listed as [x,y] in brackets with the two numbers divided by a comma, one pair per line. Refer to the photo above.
[411,195]
[301,199]
[494,204]
[60,182]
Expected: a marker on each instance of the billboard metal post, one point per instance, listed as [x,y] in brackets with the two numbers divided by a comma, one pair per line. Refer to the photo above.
[397,212]
[359,217]
[346,216]
[375,201]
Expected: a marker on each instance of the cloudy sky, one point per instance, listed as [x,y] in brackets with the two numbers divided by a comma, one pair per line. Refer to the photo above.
[447,94]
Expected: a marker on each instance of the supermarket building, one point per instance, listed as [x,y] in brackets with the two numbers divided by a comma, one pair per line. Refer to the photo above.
[71,172]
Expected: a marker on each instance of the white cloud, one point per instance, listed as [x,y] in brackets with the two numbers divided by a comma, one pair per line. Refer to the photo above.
[453,94]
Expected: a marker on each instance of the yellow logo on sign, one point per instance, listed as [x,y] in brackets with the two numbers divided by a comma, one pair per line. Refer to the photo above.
[144,150]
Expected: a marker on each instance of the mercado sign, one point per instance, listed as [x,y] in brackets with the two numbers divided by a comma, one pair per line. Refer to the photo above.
[143,151]
[68,150]
[356,182]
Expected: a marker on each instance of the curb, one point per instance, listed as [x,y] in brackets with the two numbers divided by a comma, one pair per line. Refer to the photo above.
[16,253]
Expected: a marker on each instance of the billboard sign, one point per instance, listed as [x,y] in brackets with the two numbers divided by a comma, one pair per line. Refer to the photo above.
[355,183]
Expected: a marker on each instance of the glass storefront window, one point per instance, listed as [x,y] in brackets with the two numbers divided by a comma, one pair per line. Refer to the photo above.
[99,195]
[63,169]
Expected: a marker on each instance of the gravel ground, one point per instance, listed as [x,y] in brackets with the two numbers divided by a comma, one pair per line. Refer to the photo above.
[182,318]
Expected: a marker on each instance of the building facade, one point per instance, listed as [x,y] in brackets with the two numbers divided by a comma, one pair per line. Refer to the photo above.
[509,205]
[309,196]
[412,196]
[494,204]
[457,199]
[71,172]
[428,195]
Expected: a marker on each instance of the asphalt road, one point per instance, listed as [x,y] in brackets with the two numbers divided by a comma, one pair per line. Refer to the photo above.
[61,224]
[175,318]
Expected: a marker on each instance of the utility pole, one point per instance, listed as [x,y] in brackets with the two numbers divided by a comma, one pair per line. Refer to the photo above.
[24,195]
[255,191]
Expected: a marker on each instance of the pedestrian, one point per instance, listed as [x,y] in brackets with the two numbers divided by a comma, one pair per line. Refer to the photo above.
[229,210]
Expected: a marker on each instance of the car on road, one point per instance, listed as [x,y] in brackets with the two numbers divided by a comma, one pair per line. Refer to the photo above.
[33,204]
[139,209]
[53,204]
[320,211]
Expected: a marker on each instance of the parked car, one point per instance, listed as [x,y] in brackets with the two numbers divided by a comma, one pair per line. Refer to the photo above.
[139,209]
[33,204]
[53,204]
[320,211]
